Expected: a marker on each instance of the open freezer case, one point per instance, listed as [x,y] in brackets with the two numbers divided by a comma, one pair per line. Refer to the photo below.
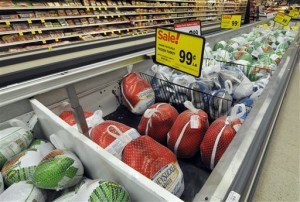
[234,176]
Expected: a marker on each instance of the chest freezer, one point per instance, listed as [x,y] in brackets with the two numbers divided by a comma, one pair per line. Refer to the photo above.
[97,87]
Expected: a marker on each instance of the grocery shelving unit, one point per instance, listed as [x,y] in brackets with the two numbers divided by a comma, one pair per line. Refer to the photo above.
[30,25]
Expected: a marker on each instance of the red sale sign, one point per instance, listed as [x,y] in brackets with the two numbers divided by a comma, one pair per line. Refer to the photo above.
[191,27]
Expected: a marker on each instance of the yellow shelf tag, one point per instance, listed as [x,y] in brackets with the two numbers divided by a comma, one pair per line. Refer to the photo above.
[119,31]
[99,8]
[104,33]
[87,8]
[42,20]
[40,31]
[33,32]
[98,17]
[294,13]
[56,40]
[295,28]
[80,36]
[94,8]
[119,16]
[7,22]
[127,30]
[231,21]
[44,41]
[112,32]
[29,21]
[21,33]
[50,48]
[105,17]
[116,8]
[105,8]
[112,16]
[180,51]
[282,19]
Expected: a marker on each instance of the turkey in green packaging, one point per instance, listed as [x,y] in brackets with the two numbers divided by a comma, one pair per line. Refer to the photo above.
[60,169]
[101,190]
[222,55]
[1,183]
[13,140]
[22,166]
[242,55]
[220,45]
[23,192]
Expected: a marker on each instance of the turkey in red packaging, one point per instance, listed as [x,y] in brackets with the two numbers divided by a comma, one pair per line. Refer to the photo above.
[138,94]
[188,131]
[157,121]
[113,136]
[156,162]
[219,135]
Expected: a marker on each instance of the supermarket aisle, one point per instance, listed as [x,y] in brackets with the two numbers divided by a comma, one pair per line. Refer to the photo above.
[280,177]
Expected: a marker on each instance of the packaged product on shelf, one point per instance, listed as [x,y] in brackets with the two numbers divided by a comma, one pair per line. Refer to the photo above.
[23,4]
[42,14]
[104,190]
[91,20]
[38,4]
[68,12]
[61,13]
[9,17]
[20,26]
[13,141]
[103,3]
[6,3]
[48,24]
[119,3]
[56,24]
[63,22]
[60,169]
[50,4]
[22,166]
[218,137]
[156,162]
[57,4]
[5,28]
[28,37]
[84,21]
[187,132]
[36,25]
[23,191]
[26,14]
[75,12]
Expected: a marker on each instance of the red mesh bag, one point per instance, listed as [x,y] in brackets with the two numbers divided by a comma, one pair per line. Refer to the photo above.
[68,117]
[188,131]
[218,137]
[156,162]
[157,121]
[138,94]
[106,133]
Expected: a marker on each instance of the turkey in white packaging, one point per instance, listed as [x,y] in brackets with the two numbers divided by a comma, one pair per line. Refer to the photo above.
[113,136]
[218,137]
[241,85]
[157,121]
[137,93]
[13,140]
[22,166]
[159,82]
[221,101]
[23,191]
[187,132]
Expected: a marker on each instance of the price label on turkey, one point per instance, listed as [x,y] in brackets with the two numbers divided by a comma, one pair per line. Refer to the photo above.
[191,27]
[294,13]
[283,19]
[231,21]
[180,51]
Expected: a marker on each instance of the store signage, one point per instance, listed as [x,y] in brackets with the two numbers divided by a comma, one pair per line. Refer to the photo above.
[231,21]
[191,27]
[271,15]
[294,13]
[283,19]
[179,50]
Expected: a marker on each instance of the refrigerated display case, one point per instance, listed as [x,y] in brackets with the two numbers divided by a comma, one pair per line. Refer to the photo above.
[96,86]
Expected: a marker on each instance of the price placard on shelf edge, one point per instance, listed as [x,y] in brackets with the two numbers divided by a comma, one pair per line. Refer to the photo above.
[282,19]
[179,50]
[294,13]
[191,27]
[231,21]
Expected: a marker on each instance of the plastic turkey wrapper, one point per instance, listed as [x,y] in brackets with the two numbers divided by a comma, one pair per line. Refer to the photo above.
[102,190]
[231,47]
[220,103]
[23,191]
[60,169]
[266,59]
[222,55]
[242,55]
[13,140]
[219,45]
[69,193]
[208,53]
[159,82]
[239,40]
[22,166]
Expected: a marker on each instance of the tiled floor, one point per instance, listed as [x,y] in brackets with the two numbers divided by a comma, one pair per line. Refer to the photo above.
[280,177]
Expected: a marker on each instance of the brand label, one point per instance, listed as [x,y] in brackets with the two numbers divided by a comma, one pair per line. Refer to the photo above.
[181,51]
[191,27]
